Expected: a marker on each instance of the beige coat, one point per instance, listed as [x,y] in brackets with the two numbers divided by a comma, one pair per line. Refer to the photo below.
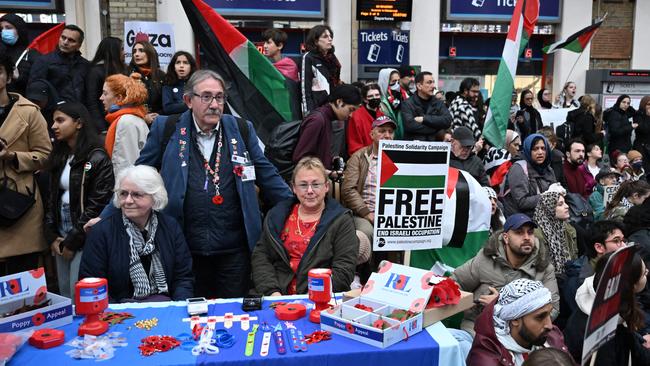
[25,132]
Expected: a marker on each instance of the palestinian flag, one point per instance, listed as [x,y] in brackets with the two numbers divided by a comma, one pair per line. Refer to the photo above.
[577,41]
[465,228]
[256,90]
[521,28]
[409,169]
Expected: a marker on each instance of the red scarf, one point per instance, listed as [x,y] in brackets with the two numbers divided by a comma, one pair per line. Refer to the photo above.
[114,118]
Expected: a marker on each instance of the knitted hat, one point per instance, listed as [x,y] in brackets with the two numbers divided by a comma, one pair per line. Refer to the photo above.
[634,154]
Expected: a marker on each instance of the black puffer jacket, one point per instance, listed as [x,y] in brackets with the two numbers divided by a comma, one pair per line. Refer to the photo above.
[66,72]
[94,85]
[436,118]
[584,126]
[619,129]
[16,50]
[91,188]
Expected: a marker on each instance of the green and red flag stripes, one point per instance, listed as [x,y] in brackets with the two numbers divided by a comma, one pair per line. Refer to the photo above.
[577,41]
[521,28]
[256,89]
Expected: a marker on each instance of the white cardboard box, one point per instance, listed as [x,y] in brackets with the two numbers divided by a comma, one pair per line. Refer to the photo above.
[30,288]
[394,287]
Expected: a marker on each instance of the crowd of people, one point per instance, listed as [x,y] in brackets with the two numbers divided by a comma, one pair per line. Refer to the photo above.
[142,177]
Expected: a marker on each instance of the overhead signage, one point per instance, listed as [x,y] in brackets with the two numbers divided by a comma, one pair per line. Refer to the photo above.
[277,9]
[383,47]
[550,11]
[160,35]
[31,6]
[384,10]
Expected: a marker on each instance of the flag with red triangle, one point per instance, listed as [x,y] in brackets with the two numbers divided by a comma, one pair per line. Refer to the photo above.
[576,42]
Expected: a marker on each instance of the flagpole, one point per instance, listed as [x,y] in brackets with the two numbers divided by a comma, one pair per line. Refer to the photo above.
[583,50]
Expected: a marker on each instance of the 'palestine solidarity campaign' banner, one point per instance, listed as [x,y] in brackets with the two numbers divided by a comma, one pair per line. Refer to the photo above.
[410,195]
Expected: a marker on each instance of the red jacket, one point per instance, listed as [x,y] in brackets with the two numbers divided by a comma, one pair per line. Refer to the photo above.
[488,351]
[359,127]
[579,179]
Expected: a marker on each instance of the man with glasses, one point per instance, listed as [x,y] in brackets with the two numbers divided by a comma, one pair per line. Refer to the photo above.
[461,109]
[606,236]
[211,164]
[463,158]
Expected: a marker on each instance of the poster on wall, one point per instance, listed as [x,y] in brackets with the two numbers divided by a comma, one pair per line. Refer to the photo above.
[160,35]
[410,196]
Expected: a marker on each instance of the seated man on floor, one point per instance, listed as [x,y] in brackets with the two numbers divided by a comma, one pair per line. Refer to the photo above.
[515,324]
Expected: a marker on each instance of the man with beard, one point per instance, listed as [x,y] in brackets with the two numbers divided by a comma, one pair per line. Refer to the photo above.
[461,109]
[509,254]
[578,178]
[514,325]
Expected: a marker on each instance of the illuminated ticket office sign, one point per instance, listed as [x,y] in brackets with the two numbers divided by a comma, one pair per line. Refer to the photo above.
[384,10]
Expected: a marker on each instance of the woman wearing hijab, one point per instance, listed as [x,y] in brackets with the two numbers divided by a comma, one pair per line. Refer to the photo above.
[553,227]
[527,179]
[544,99]
[390,106]
[527,120]
[619,128]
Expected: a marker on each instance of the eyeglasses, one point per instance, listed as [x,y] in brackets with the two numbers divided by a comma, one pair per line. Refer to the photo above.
[135,195]
[304,187]
[617,241]
[207,98]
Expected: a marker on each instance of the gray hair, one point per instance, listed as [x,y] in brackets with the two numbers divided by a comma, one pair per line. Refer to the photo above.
[148,180]
[200,76]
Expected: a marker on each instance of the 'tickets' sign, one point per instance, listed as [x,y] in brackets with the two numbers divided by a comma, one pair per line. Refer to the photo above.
[410,198]
[383,47]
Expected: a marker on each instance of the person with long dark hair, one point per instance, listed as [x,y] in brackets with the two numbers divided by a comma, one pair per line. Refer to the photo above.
[642,131]
[321,70]
[628,346]
[619,128]
[145,62]
[527,119]
[584,121]
[81,182]
[108,60]
[544,99]
[179,71]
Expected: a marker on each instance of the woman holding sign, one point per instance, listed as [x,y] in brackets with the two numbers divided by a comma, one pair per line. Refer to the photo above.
[627,347]
[305,232]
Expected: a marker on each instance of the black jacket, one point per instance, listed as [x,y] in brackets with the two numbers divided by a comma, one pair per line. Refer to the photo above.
[436,118]
[532,121]
[619,129]
[16,50]
[584,126]
[107,255]
[67,73]
[94,85]
[642,132]
[91,181]
[473,165]
[154,88]
[313,67]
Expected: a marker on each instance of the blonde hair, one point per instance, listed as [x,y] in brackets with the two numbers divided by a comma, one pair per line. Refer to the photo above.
[130,88]
[309,163]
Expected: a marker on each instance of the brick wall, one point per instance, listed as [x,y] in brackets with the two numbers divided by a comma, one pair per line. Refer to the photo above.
[620,15]
[128,10]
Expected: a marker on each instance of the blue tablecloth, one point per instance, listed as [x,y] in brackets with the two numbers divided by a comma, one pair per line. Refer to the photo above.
[433,346]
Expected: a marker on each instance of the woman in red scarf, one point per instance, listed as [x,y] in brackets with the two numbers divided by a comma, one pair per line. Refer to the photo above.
[123,98]
[145,62]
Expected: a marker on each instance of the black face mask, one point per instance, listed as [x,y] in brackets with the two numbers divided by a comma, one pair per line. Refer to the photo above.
[374,103]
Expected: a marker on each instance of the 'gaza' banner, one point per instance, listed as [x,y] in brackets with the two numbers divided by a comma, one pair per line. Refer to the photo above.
[160,35]
[410,196]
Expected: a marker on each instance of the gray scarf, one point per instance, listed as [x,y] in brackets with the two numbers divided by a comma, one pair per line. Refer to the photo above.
[145,285]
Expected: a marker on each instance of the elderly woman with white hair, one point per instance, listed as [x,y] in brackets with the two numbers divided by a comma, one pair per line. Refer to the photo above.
[140,251]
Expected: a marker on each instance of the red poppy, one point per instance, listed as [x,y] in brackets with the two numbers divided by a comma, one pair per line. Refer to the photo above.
[350,328]
[40,295]
[238,170]
[38,319]
[217,200]
[37,273]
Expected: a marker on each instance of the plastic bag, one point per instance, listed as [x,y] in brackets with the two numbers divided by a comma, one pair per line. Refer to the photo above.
[10,343]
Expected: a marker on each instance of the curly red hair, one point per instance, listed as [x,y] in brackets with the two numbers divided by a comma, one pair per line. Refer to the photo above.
[130,88]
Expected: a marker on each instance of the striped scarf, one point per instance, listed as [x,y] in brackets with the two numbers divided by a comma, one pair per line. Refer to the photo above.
[145,285]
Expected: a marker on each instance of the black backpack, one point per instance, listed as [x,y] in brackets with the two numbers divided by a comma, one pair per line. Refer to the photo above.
[580,211]
[564,133]
[280,146]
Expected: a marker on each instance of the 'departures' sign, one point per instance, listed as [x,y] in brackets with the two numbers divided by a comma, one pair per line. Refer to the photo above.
[410,197]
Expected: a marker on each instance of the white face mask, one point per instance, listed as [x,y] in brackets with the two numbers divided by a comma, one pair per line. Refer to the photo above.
[394,87]
[412,87]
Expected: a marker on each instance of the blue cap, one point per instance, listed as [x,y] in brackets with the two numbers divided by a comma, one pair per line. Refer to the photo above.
[516,221]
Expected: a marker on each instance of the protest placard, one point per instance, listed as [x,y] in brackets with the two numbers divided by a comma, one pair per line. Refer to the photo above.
[410,196]
[160,35]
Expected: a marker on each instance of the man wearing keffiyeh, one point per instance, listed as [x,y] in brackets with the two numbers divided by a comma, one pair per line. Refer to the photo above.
[514,325]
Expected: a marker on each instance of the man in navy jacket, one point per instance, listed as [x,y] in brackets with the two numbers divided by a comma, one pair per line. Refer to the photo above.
[207,166]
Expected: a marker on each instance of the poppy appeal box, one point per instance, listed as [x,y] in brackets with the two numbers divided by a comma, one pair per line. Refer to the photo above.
[388,310]
[29,290]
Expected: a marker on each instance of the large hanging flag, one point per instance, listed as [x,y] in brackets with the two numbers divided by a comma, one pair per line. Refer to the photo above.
[521,28]
[466,226]
[45,43]
[577,41]
[256,89]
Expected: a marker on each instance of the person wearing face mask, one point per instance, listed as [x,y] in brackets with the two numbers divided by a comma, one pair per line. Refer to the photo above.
[636,165]
[360,123]
[527,179]
[316,129]
[14,43]
[390,106]
[619,128]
